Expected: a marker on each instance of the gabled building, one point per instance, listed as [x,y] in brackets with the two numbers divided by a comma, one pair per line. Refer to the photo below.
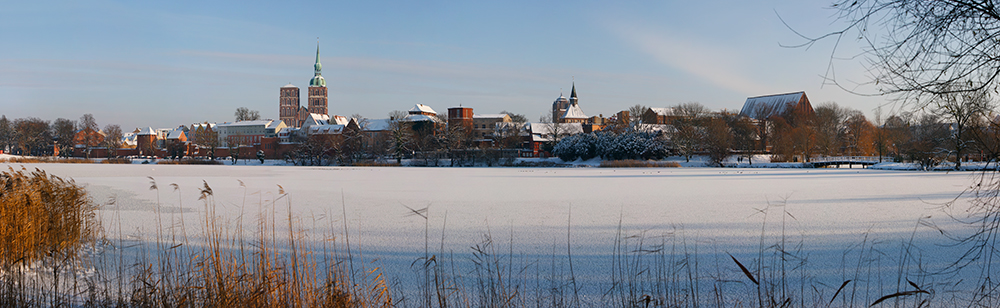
[787,105]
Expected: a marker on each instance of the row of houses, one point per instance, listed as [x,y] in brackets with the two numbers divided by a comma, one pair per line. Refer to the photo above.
[276,139]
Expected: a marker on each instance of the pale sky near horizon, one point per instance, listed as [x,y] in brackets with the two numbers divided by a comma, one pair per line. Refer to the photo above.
[167,63]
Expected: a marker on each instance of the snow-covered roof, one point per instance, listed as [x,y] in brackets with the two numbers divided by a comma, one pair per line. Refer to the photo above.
[574,112]
[175,134]
[316,119]
[329,129]
[420,118]
[764,106]
[129,139]
[274,124]
[490,116]
[146,132]
[660,111]
[377,125]
[203,125]
[561,128]
[421,108]
[339,120]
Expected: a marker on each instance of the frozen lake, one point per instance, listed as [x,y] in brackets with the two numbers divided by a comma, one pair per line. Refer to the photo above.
[832,214]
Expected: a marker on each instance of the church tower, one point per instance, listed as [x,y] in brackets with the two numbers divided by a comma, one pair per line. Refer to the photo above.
[572,95]
[317,89]
[288,106]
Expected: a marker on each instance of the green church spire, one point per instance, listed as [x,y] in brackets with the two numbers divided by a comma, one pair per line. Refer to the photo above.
[318,66]
[317,80]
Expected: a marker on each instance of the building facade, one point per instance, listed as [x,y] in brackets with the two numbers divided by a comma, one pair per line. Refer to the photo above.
[288,105]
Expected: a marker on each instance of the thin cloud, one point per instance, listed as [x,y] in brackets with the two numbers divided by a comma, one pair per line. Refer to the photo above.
[712,64]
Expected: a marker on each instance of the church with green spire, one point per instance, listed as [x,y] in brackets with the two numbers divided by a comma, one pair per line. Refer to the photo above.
[289,109]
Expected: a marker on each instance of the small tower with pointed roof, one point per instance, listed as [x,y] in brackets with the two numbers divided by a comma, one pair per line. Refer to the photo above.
[572,95]
[317,88]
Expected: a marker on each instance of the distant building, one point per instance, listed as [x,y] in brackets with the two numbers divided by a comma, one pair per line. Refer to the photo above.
[248,133]
[484,125]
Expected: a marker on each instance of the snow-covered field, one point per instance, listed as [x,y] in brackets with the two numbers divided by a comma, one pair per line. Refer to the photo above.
[716,210]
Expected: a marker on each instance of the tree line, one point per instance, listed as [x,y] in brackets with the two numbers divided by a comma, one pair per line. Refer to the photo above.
[37,137]
[954,127]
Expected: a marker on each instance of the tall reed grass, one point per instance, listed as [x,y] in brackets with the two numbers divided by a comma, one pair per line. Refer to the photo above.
[49,225]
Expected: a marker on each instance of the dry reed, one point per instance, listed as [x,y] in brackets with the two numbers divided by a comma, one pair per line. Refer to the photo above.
[47,159]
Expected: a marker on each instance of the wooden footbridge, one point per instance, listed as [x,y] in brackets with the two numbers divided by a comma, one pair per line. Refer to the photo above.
[849,161]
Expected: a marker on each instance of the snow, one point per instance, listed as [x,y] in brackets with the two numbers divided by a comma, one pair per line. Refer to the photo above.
[717,208]
[574,112]
[421,108]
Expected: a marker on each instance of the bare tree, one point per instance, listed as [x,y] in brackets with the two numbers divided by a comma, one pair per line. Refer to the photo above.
[112,139]
[91,136]
[718,141]
[829,123]
[744,135]
[6,134]
[64,132]
[31,135]
[547,127]
[963,109]
[688,135]
[400,138]
[245,114]
[918,48]
[635,113]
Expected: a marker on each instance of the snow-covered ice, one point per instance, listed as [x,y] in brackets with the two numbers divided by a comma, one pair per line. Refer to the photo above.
[719,208]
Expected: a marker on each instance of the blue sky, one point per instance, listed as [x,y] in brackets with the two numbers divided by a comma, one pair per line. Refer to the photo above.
[162,64]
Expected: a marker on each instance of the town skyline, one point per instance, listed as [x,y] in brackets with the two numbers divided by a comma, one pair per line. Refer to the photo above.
[163,65]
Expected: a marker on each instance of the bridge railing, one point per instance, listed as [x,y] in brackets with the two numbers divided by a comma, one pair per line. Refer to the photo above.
[866,159]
